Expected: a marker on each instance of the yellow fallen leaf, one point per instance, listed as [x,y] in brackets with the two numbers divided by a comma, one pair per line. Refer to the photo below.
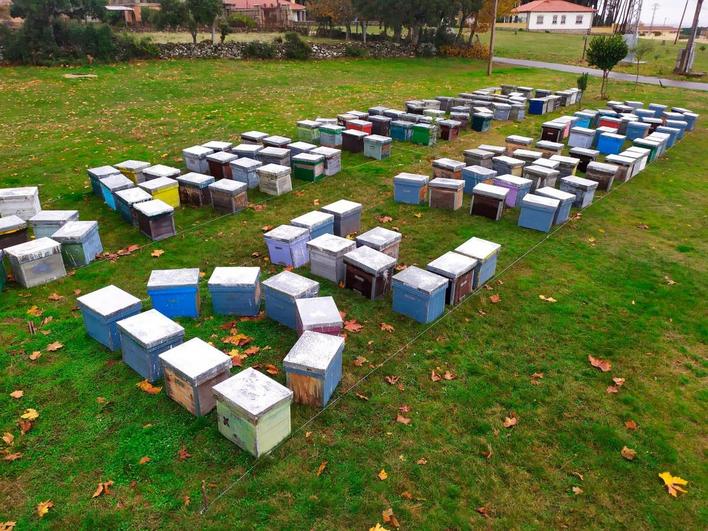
[628,453]
[378,527]
[8,438]
[148,387]
[673,483]
[30,414]
[17,394]
[35,311]
[43,508]
[157,253]
[7,526]
[321,468]
[382,475]
[547,299]
[54,346]
[144,460]
[510,421]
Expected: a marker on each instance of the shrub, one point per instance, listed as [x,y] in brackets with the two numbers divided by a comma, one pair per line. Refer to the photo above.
[295,47]
[258,50]
[582,81]
[475,51]
[427,49]
[131,47]
[352,50]
[240,21]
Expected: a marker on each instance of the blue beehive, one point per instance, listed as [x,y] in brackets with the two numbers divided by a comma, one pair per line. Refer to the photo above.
[537,105]
[485,252]
[565,202]
[112,184]
[637,130]
[175,292]
[347,216]
[691,118]
[538,212]
[584,119]
[657,109]
[672,132]
[313,367]
[419,294]
[127,199]
[459,272]
[318,223]
[610,143]
[143,337]
[235,290]
[102,309]
[583,189]
[287,245]
[401,130]
[681,125]
[473,175]
[280,293]
[101,172]
[247,151]
[80,242]
[47,222]
[410,188]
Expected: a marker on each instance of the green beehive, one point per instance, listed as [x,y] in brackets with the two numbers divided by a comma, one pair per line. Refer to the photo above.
[308,167]
[308,131]
[424,134]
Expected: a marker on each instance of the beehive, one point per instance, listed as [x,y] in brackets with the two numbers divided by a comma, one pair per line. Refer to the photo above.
[282,290]
[195,158]
[424,134]
[218,145]
[552,131]
[112,184]
[368,272]
[332,159]
[165,189]
[583,189]
[155,219]
[274,179]
[245,170]
[47,222]
[478,157]
[538,212]
[175,292]
[410,188]
[382,240]
[353,140]
[565,203]
[308,167]
[377,147]
[566,165]
[316,222]
[449,129]
[102,309]
[401,130]
[247,151]
[235,290]
[541,176]
[585,156]
[604,174]
[194,189]
[473,175]
[331,135]
[485,252]
[21,202]
[13,231]
[459,272]
[318,314]
[308,131]
[419,294]
[482,121]
[274,155]
[300,147]
[514,142]
[220,164]
[36,262]
[287,245]
[277,141]
[80,242]
[517,188]
[610,143]
[253,137]
[446,193]
[504,165]
[228,196]
[95,175]
[347,216]
[133,169]
[625,166]
[327,256]
[380,125]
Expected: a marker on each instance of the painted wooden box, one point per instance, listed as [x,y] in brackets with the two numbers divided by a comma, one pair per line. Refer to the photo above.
[218,145]
[195,158]
[80,242]
[463,118]
[368,272]
[518,187]
[604,174]
[194,188]
[381,239]
[308,131]
[488,201]
[245,170]
[538,212]
[538,106]
[376,111]
[610,143]
[497,150]
[681,125]
[581,137]
[518,112]
[566,165]
[549,148]
[565,202]
[548,163]
[247,151]
[410,188]
[112,184]
[529,156]
[274,179]
[280,292]
[13,231]
[287,245]
[360,125]
[327,256]
[672,132]
[446,193]
[541,176]
[482,121]
[347,216]
[316,222]
[253,137]
[191,370]
[21,202]
[331,135]
[133,169]
[220,164]
[228,196]
[274,155]
[160,170]
[485,252]
[155,219]
[585,119]
[165,189]
[447,168]
[47,222]
[449,129]
[585,156]
[102,309]
[625,166]
[656,108]
[552,131]
[332,159]
[652,146]
[583,189]
[318,314]
[313,368]
[253,411]
[380,125]
[277,141]
[419,294]
[473,175]
[175,292]
[401,130]
[345,117]
[36,262]
[235,290]
[653,124]
[507,165]
[95,175]
[300,147]
[353,141]
[459,272]
[514,142]
[308,166]
[143,337]
[479,157]
[377,147]
[501,111]
[691,119]
[639,160]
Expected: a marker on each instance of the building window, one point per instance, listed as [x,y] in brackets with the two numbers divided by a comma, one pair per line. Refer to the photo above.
[579,19]
[555,19]
[539,19]
[562,19]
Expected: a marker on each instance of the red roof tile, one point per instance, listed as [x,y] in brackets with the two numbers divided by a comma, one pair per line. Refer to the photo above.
[557,6]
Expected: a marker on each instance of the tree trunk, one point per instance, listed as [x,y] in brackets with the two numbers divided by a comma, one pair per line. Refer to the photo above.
[603,87]
[363,31]
[213,31]
[348,30]
[194,36]
[463,17]
[397,33]
[414,32]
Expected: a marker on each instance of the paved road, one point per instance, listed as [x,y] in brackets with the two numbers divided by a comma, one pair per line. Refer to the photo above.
[690,85]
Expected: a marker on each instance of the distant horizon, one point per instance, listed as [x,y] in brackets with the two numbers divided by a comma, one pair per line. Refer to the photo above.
[668,13]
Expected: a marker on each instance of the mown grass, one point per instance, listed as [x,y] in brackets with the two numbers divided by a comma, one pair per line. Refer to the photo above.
[606,271]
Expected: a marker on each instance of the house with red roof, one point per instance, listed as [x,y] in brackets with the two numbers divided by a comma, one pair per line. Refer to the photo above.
[270,13]
[555,16]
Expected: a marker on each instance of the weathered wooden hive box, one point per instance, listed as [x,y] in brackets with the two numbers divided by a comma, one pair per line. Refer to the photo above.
[565,202]
[381,239]
[459,272]
[36,262]
[360,125]
[485,252]
[653,124]
[344,118]
[604,174]
[410,188]
[316,222]
[347,216]
[625,166]
[277,141]
[639,158]
[95,176]
[585,156]
[529,156]
[274,155]
[247,151]
[672,132]
[287,245]
[377,111]
[191,370]
[380,125]
[253,137]
[332,159]
[13,231]
[218,145]
[133,169]
[280,292]
[160,170]
[540,176]
[497,150]
[447,168]
[517,188]
[656,110]
[552,131]
[245,170]
[102,309]
[143,337]
[220,164]
[463,118]
[679,126]
[21,202]
[253,411]
[47,222]
[538,212]
[194,188]
[446,193]
[473,175]
[368,272]
[424,134]
[308,131]
[300,147]
[401,130]
[538,106]
[585,119]
[691,118]
[235,290]
[581,137]
[175,292]
[327,256]
[228,196]
[274,179]
[501,110]
[583,189]
[609,143]
[353,140]
[195,158]
[112,184]
[377,147]
[482,121]
[163,188]
[155,219]
[318,314]
[308,167]
[609,121]
[504,165]
[80,242]
[488,201]
[518,112]
[419,294]
[514,142]
[331,135]
[567,165]
[647,143]
[478,157]
[313,368]
[394,114]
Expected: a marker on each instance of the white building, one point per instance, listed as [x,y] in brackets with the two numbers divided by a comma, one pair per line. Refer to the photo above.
[556,16]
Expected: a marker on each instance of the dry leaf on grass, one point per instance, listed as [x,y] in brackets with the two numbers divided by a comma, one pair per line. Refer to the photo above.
[602,365]
[321,468]
[628,453]
[390,518]
[54,346]
[25,426]
[30,414]
[630,424]
[17,394]
[144,460]
[392,380]
[403,420]
[8,438]
[362,397]
[35,311]
[183,454]
[55,297]
[382,475]
[148,388]
[494,299]
[353,326]
[422,461]
[511,421]
[449,375]
[7,526]
[102,488]
[384,219]
[35,355]
[12,457]
[673,484]
[43,508]
[360,360]
[157,253]
[378,527]
[577,490]
[434,376]
[271,369]
[483,511]
[547,299]
[387,327]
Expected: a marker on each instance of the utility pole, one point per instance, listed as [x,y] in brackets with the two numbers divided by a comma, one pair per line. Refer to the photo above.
[491,38]
[653,14]
[678,32]
[685,63]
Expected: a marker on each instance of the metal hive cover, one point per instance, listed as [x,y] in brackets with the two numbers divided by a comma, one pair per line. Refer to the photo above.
[318,311]
[291,283]
[151,328]
[313,219]
[379,237]
[478,248]
[313,352]
[234,276]
[252,393]
[108,301]
[331,243]
[197,360]
[452,264]
[286,233]
[197,151]
[169,278]
[342,207]
[370,259]
[74,231]
[420,279]
[154,207]
[196,179]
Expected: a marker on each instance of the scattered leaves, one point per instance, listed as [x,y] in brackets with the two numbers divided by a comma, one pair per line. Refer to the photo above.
[55,297]
[603,365]
[403,420]
[392,380]
[422,461]
[495,299]
[35,311]
[43,508]
[102,488]
[321,468]
[483,511]
[360,360]
[148,388]
[511,421]
[434,376]
[54,346]
[271,369]
[25,426]
[353,326]
[8,438]
[17,394]
[7,526]
[547,299]
[144,460]
[390,518]
[577,490]
[667,279]
[673,483]
[449,375]
[382,475]
[536,378]
[30,414]
[183,454]
[387,327]
[362,397]
[157,253]
[35,355]
[378,527]
[12,457]
[384,219]
[630,425]
[628,453]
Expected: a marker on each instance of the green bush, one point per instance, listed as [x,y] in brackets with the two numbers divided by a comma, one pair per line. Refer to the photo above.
[131,47]
[353,50]
[427,49]
[295,47]
[240,21]
[258,50]
[582,81]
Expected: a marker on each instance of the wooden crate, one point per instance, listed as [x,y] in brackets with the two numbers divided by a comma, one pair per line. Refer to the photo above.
[228,196]
[47,222]
[80,242]
[327,256]
[459,271]
[175,292]
[488,201]
[155,219]
[280,293]
[318,314]
[381,239]
[235,290]
[368,272]
[36,262]
[446,193]
[13,231]
[313,368]
[102,309]
[194,189]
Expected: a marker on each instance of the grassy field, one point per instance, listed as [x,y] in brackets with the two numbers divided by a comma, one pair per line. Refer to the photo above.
[628,276]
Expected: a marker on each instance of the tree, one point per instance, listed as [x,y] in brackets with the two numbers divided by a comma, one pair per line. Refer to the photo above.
[604,52]
[641,50]
[467,8]
[205,12]
[173,14]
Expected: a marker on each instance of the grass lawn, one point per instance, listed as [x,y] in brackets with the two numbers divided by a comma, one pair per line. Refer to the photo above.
[607,269]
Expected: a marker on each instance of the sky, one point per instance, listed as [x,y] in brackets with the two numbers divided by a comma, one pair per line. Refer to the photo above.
[669,12]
